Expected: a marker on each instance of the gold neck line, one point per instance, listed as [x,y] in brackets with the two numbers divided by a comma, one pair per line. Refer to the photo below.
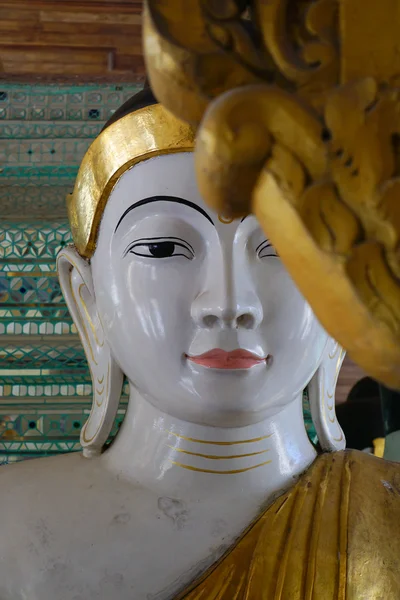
[218,443]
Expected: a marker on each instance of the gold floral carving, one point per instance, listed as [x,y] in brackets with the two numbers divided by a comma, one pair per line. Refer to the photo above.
[299,122]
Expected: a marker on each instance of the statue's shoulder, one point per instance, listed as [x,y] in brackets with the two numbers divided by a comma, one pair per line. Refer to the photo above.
[27,472]
[39,481]
[355,460]
[341,515]
[358,473]
[50,486]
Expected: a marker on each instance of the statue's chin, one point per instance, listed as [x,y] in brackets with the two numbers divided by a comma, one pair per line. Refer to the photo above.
[218,410]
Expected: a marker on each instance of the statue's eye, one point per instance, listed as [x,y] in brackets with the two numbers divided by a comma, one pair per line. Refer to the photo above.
[266,249]
[161,248]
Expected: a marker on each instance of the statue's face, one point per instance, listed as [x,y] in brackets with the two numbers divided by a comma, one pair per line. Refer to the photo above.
[200,314]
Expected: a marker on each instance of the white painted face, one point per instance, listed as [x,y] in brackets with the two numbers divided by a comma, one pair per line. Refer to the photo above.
[185,297]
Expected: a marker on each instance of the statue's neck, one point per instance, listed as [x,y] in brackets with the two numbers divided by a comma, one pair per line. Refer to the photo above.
[181,459]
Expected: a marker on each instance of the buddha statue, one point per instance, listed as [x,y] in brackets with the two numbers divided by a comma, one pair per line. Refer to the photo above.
[211,488]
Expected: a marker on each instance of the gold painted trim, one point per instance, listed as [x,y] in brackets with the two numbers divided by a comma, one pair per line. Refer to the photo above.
[189,439]
[324,410]
[103,416]
[106,386]
[338,365]
[146,133]
[89,319]
[216,456]
[85,332]
[233,472]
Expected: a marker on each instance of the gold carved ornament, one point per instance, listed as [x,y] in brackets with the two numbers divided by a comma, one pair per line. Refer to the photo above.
[298,114]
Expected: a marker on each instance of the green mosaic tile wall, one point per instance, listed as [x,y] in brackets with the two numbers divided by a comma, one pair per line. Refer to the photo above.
[45,387]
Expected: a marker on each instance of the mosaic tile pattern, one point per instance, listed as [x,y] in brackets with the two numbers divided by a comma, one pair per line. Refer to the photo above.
[44,201]
[49,393]
[62,102]
[30,241]
[38,432]
[38,377]
[32,130]
[29,289]
[45,386]
[312,434]
[23,153]
[38,174]
[28,321]
[59,357]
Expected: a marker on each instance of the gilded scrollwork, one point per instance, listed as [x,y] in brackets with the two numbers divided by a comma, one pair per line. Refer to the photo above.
[301,38]
[315,157]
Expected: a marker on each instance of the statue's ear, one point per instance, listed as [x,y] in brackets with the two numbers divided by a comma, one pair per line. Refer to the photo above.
[77,287]
[321,393]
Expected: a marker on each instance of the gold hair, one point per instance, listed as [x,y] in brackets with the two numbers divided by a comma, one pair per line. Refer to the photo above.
[147,132]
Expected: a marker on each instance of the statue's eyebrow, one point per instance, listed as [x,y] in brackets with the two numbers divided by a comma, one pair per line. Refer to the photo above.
[165,199]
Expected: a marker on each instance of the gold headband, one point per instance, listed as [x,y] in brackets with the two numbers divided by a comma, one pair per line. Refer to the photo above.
[147,132]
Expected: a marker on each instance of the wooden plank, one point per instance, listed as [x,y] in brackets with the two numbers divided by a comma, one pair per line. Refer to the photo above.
[129,63]
[91,28]
[102,29]
[86,17]
[124,62]
[48,68]
[24,16]
[130,50]
[127,44]
[28,55]
[112,77]
[52,28]
[16,26]
[36,35]
[131,6]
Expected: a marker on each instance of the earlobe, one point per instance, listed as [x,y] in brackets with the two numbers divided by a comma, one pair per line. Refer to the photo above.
[107,378]
[321,392]
[77,287]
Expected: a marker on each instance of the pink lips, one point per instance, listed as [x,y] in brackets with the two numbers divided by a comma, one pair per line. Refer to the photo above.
[220,359]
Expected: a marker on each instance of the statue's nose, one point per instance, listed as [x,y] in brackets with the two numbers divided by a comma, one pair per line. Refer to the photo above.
[216,316]
[227,300]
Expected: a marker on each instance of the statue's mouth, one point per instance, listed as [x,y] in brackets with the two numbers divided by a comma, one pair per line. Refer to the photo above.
[236,359]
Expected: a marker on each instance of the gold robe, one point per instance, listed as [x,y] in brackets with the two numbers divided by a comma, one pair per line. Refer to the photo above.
[334,536]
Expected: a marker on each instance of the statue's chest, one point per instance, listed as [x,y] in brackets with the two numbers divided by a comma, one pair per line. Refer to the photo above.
[153,549]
